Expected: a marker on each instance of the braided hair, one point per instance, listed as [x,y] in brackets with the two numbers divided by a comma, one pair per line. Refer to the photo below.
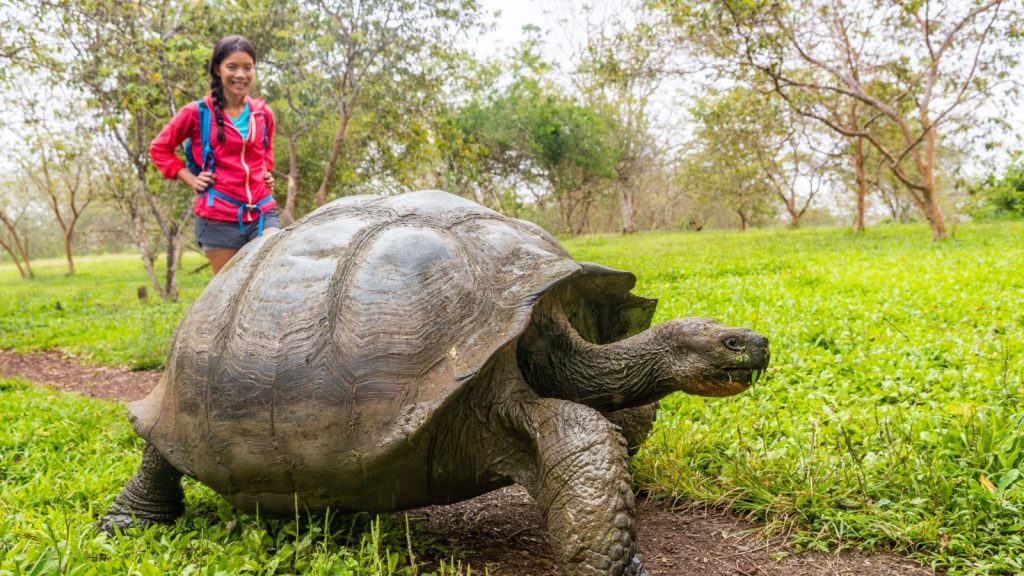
[225,47]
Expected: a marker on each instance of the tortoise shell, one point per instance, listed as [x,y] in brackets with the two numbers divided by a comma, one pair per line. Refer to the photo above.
[326,349]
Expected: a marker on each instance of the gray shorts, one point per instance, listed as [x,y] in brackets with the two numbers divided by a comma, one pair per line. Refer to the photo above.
[215,234]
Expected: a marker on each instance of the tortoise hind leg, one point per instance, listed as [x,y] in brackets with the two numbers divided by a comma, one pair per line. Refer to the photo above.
[152,496]
[579,476]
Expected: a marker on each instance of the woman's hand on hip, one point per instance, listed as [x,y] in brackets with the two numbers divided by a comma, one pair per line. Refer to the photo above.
[203,181]
[198,183]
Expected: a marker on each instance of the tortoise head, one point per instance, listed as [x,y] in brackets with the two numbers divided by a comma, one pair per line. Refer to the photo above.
[710,359]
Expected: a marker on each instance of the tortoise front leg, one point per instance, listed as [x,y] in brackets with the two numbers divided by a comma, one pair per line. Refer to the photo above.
[152,496]
[579,476]
[634,423]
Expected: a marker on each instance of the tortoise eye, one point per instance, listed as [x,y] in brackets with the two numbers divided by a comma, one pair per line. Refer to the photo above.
[733,343]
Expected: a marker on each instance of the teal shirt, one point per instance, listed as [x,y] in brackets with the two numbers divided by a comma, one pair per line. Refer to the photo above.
[242,122]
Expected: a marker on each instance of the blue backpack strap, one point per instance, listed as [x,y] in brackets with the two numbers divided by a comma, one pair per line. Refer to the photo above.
[206,150]
[204,132]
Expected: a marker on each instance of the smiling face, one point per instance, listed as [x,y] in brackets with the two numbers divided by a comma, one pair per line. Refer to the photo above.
[237,72]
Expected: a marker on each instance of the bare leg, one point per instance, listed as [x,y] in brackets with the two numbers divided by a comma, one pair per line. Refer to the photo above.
[152,496]
[218,257]
[579,476]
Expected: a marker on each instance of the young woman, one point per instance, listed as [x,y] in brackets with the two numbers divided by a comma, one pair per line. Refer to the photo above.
[233,185]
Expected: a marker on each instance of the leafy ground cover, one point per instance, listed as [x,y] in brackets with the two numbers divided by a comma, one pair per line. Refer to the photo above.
[94,314]
[892,416]
[62,459]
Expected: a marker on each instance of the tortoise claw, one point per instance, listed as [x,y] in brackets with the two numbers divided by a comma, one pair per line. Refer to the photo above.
[120,517]
[636,568]
[114,522]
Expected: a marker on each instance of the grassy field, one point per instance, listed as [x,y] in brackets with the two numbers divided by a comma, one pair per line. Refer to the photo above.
[892,416]
[95,314]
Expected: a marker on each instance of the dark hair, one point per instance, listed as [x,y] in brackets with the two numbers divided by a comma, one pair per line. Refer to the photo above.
[225,47]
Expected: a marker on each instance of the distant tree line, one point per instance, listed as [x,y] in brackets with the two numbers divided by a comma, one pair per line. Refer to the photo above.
[791,111]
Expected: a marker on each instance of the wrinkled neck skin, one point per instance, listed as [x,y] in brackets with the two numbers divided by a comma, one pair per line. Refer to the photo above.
[559,363]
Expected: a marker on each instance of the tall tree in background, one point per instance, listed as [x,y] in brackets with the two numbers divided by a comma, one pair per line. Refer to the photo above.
[939,57]
[63,175]
[529,136]
[722,166]
[622,70]
[362,42]
[131,80]
[779,142]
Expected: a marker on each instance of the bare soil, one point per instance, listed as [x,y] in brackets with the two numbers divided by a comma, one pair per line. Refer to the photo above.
[504,531]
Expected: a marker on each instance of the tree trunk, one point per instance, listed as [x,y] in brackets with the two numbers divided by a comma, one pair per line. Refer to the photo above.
[332,162]
[933,212]
[173,260]
[937,223]
[626,206]
[17,261]
[67,252]
[931,197]
[288,216]
[794,214]
[147,256]
[861,180]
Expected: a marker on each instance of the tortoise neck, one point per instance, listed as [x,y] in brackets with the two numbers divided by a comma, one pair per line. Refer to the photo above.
[559,363]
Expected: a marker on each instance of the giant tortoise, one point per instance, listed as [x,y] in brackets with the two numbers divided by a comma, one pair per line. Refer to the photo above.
[386,353]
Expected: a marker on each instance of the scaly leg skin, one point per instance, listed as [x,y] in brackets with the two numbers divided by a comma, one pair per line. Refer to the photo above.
[635,424]
[581,483]
[152,496]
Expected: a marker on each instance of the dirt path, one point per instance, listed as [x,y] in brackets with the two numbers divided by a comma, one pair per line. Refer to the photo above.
[504,531]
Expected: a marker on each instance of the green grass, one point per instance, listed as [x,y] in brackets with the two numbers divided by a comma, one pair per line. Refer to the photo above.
[892,415]
[64,457]
[100,318]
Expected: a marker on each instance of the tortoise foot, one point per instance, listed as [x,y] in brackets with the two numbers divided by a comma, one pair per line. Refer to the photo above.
[121,517]
[114,522]
[152,496]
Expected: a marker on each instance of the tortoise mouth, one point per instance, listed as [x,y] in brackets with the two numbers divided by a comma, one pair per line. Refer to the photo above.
[733,381]
[745,376]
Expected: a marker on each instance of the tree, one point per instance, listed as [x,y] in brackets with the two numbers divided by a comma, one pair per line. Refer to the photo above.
[915,65]
[132,81]
[378,41]
[999,196]
[62,174]
[529,135]
[12,240]
[68,191]
[621,71]
[722,166]
[781,144]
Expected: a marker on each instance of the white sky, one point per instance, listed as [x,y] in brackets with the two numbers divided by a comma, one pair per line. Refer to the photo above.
[509,24]
[508,27]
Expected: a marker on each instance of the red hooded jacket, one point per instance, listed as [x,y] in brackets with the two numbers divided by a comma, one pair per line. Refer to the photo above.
[239,165]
